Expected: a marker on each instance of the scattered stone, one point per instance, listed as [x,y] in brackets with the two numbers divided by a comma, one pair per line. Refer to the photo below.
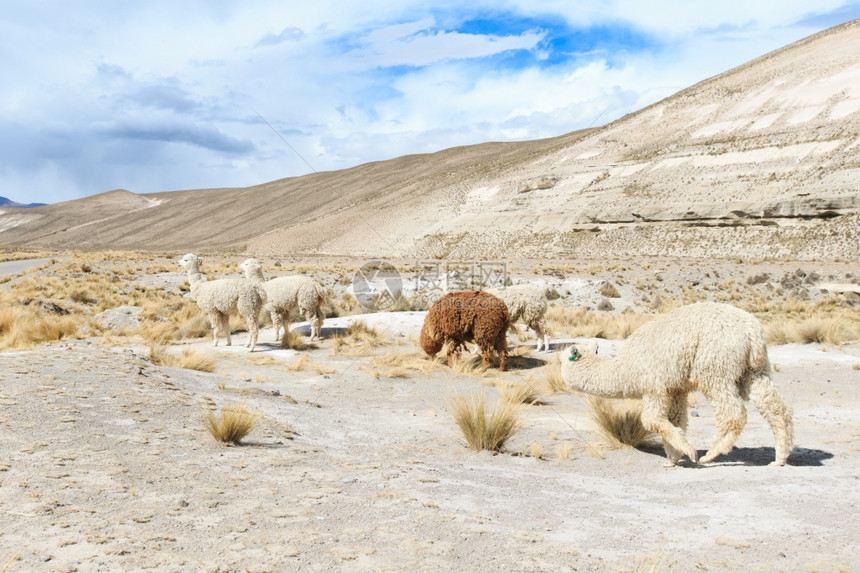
[120,318]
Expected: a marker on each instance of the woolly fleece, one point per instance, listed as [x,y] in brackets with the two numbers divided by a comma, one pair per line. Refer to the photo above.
[461,317]
[715,348]
[221,298]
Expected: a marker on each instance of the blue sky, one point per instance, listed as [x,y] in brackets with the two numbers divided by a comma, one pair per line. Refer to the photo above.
[164,95]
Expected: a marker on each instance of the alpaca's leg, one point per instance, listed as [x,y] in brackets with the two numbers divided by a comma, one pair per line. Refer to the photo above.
[276,322]
[503,359]
[486,357]
[225,326]
[320,317]
[778,414]
[677,416]
[541,332]
[310,314]
[678,411]
[453,349]
[502,349]
[215,323]
[655,418]
[731,417]
[253,330]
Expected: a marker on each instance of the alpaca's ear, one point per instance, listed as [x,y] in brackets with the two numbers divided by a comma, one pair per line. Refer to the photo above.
[592,347]
[572,353]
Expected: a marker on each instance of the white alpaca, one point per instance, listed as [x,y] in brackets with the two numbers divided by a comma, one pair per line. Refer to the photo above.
[287,295]
[714,348]
[221,298]
[527,303]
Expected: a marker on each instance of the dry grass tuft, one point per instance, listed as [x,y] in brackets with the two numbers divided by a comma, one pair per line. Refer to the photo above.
[552,374]
[235,423]
[189,359]
[7,566]
[521,393]
[359,339]
[192,360]
[482,429]
[620,421]
[580,322]
[299,364]
[820,330]
[823,330]
[400,365]
[608,290]
[562,451]
[23,327]
[294,339]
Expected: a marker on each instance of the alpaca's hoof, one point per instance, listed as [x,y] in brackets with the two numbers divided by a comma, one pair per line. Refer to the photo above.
[776,463]
[694,457]
[669,464]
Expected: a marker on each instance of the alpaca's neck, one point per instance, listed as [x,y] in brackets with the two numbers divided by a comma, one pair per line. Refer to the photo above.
[603,378]
[195,277]
[254,274]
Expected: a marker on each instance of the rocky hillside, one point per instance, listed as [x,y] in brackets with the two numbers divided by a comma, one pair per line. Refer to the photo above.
[761,161]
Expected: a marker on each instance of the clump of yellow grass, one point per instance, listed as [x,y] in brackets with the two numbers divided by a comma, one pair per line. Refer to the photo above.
[235,422]
[401,365]
[358,339]
[580,322]
[620,421]
[188,358]
[23,327]
[552,374]
[821,330]
[485,429]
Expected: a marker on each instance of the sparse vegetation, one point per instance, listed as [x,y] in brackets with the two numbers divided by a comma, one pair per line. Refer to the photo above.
[358,339]
[620,421]
[483,429]
[160,355]
[401,365]
[521,393]
[552,374]
[235,422]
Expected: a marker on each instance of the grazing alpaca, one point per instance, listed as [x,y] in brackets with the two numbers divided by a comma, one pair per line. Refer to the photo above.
[221,298]
[288,295]
[461,317]
[527,303]
[714,348]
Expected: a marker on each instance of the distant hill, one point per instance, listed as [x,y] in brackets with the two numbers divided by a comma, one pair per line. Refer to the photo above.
[4,202]
[760,162]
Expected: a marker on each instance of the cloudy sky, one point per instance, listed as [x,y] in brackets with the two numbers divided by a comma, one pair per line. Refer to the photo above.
[166,95]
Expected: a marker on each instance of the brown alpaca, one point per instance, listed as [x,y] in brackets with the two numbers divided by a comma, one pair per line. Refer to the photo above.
[461,317]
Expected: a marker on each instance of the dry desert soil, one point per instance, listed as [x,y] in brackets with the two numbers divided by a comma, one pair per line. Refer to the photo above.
[105,465]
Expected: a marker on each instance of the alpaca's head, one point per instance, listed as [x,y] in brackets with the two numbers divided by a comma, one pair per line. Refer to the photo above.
[252,268]
[428,341]
[189,261]
[577,354]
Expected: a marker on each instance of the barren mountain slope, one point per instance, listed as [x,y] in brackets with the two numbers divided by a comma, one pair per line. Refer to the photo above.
[224,218]
[762,160]
[759,161]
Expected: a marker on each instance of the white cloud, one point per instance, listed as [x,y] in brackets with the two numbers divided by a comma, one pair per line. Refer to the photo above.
[164,95]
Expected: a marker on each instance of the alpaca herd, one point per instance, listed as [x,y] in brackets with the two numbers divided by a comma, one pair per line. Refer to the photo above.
[714,348]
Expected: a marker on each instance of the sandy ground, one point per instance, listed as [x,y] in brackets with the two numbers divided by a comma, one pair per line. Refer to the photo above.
[105,465]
